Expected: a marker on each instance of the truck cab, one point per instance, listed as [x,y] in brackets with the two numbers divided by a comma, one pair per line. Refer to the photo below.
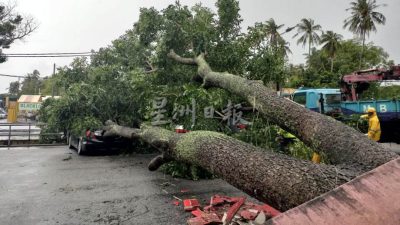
[312,99]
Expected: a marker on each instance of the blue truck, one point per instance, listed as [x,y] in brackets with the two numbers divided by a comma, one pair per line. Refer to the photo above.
[312,99]
[332,102]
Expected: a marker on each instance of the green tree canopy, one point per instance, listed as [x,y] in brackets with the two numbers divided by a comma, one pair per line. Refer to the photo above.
[121,80]
[13,27]
[14,88]
[308,32]
[31,84]
[363,19]
[330,44]
[318,72]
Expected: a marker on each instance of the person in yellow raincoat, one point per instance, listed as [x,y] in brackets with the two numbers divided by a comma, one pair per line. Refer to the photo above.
[374,126]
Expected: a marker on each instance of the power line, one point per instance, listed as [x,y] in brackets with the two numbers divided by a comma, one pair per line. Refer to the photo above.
[43,56]
[47,55]
[7,75]
[60,53]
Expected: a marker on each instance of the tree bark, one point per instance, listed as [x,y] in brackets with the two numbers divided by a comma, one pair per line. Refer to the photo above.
[362,50]
[341,143]
[279,180]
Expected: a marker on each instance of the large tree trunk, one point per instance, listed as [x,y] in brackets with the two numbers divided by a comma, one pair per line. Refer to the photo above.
[277,179]
[341,143]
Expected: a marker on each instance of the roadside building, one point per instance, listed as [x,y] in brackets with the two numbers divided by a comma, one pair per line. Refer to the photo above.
[29,103]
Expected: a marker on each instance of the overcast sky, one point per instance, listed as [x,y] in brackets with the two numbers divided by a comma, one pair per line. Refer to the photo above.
[82,25]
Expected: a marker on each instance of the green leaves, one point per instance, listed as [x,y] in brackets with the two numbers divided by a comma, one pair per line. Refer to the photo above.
[309,33]
[321,73]
[228,19]
[331,42]
[364,17]
[12,27]
[148,26]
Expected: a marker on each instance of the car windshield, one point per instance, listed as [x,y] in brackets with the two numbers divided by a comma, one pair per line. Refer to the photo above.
[333,98]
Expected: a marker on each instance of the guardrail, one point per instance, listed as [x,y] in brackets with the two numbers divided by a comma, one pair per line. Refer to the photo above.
[27,134]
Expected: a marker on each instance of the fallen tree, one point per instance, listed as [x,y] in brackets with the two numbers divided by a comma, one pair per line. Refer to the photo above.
[341,143]
[277,179]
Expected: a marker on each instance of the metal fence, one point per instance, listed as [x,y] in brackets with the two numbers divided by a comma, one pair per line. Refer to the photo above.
[27,134]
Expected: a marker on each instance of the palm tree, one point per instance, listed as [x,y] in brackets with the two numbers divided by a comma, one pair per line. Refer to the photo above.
[363,18]
[275,39]
[331,42]
[309,32]
[272,33]
[283,47]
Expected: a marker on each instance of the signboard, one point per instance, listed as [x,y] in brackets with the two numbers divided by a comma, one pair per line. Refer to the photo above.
[30,106]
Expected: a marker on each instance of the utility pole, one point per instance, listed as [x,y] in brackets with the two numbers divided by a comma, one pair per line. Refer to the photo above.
[52,82]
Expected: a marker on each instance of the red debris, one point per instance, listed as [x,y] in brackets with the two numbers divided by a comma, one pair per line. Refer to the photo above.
[190,204]
[184,190]
[223,209]
[209,208]
[196,221]
[176,202]
[241,126]
[211,218]
[202,218]
[197,212]
[233,210]
[181,131]
[217,200]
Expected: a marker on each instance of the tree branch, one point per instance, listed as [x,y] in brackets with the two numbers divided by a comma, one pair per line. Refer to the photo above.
[341,143]
[174,56]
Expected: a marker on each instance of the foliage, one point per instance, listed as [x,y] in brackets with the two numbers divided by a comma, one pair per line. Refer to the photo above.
[229,19]
[357,123]
[31,84]
[330,44]
[120,81]
[262,133]
[14,88]
[75,73]
[13,27]
[309,33]
[375,91]
[318,72]
[267,55]
[347,55]
[299,150]
[184,170]
[363,19]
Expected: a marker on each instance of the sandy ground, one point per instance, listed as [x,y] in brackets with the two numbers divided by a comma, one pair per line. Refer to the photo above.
[53,185]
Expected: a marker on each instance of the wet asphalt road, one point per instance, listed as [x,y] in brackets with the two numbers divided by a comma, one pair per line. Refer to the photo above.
[53,185]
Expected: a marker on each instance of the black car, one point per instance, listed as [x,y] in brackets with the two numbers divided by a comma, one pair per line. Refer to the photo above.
[95,141]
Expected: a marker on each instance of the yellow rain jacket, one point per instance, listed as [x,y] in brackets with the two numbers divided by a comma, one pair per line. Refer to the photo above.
[374,126]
